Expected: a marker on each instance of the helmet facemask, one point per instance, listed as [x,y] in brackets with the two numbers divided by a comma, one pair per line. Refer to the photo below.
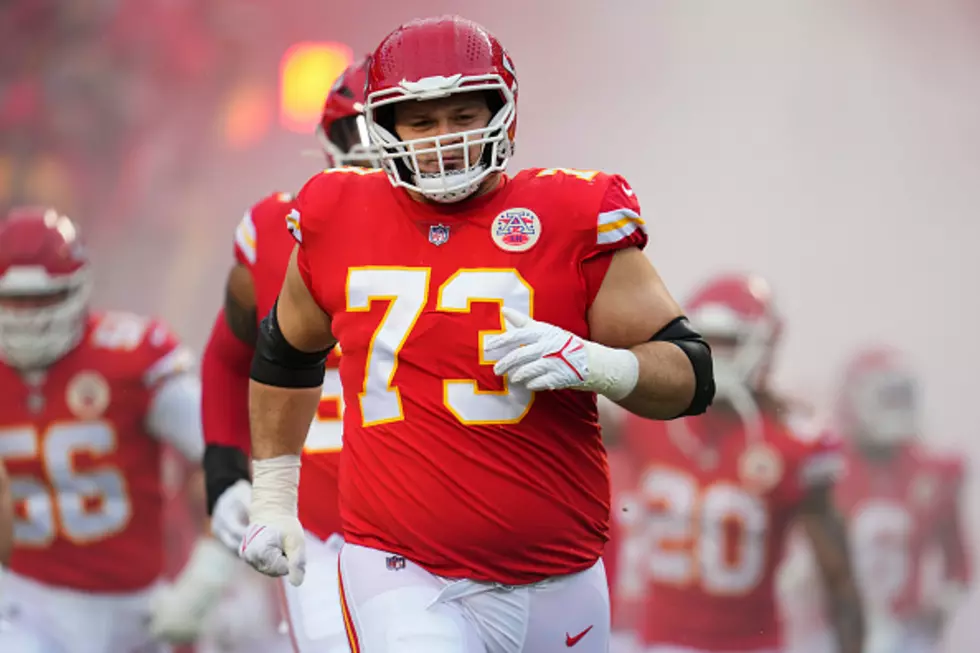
[401,158]
[741,350]
[41,318]
[885,408]
[347,143]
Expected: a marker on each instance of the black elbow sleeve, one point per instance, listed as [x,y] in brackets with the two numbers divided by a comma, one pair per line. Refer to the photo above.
[223,467]
[695,347]
[278,363]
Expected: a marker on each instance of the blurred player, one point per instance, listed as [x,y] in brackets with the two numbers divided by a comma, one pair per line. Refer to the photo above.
[474,489]
[902,503]
[717,494]
[89,401]
[262,249]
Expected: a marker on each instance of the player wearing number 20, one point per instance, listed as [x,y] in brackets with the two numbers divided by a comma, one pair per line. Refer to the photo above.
[470,307]
[716,495]
[88,402]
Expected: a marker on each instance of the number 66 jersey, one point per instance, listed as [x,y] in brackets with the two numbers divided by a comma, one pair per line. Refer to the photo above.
[443,461]
[83,443]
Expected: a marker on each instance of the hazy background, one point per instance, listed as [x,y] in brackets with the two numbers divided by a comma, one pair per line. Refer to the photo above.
[830,145]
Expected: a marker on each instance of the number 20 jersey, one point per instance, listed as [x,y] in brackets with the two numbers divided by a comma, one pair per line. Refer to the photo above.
[713,528]
[443,462]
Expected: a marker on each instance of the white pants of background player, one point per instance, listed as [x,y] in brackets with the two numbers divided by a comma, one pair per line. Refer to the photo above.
[38,618]
[248,619]
[316,622]
[402,608]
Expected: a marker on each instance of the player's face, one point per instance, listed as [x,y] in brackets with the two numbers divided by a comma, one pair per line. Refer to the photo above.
[433,118]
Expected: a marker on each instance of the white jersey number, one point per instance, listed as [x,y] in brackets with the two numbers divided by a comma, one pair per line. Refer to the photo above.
[406,292]
[712,537]
[880,534]
[83,507]
[327,430]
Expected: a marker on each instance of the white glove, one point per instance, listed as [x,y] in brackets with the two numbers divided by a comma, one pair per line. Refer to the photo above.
[273,543]
[230,516]
[541,356]
[177,611]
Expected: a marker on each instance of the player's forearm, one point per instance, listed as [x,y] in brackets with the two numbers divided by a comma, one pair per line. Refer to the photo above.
[280,419]
[225,367]
[848,620]
[6,518]
[665,382]
[828,537]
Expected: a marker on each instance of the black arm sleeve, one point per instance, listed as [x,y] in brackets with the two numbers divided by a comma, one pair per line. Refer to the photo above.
[680,332]
[278,363]
[223,467]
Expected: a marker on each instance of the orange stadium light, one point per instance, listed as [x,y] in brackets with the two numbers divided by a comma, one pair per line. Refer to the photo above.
[306,73]
[248,115]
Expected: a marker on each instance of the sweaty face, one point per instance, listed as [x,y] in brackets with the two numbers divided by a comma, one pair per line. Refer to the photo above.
[430,119]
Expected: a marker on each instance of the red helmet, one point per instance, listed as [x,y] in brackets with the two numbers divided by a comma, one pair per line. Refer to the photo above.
[45,285]
[737,314]
[342,131]
[878,396]
[435,58]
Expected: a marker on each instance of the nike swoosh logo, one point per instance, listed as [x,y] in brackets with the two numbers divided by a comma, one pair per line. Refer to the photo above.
[627,190]
[572,641]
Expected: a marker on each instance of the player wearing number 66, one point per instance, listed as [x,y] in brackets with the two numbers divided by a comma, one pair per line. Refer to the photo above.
[478,314]
[88,403]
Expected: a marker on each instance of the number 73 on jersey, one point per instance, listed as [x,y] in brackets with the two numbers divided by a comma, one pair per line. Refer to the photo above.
[406,291]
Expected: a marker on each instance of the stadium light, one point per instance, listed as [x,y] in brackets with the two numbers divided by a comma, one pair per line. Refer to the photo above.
[306,73]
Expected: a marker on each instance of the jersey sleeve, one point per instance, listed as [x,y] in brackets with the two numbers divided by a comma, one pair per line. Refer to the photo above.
[619,224]
[953,538]
[817,455]
[245,240]
[167,357]
[307,223]
[174,411]
[821,462]
[247,231]
[225,368]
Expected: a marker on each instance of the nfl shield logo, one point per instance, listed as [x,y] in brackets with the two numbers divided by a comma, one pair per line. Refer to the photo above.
[438,234]
[395,563]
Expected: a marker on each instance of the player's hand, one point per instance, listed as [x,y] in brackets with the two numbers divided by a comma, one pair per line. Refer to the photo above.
[273,543]
[542,356]
[538,355]
[229,519]
[274,546]
[178,611]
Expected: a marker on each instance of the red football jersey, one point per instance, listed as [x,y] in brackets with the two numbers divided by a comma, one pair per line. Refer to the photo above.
[86,474]
[442,461]
[715,504]
[896,510]
[263,244]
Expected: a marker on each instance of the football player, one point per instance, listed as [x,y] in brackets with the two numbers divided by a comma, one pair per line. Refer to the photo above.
[478,316]
[903,505]
[262,249]
[89,402]
[717,494]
